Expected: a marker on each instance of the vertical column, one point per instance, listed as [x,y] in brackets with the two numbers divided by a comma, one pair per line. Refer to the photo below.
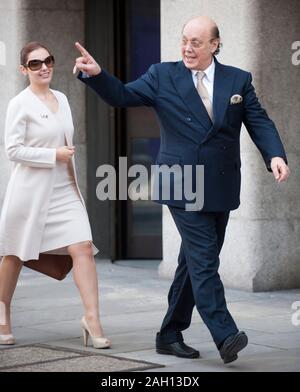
[10,37]
[57,24]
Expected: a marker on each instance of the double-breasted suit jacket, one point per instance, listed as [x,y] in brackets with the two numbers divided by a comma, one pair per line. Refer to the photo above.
[188,137]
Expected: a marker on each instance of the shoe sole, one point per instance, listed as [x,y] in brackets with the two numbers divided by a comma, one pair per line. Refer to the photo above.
[237,345]
[8,343]
[166,352]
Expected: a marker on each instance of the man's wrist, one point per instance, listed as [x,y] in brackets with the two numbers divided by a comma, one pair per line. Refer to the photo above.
[282,158]
[86,75]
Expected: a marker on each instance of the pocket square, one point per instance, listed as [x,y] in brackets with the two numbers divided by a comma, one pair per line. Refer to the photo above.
[236,99]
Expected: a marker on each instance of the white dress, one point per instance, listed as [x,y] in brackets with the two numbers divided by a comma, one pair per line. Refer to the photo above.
[67,220]
[43,210]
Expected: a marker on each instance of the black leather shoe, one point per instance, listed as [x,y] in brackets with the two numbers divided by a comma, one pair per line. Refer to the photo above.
[232,345]
[180,349]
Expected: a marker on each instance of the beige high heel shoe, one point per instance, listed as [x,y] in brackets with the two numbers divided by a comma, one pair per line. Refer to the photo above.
[97,342]
[7,339]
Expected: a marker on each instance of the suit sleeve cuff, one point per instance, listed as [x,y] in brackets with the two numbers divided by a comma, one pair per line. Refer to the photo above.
[85,78]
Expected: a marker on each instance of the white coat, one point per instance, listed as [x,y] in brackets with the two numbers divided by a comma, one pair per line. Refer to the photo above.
[30,144]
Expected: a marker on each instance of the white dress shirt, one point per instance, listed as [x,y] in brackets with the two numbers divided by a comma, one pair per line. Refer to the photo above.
[208,79]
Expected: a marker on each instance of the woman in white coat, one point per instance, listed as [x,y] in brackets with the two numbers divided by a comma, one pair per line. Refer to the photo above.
[43,210]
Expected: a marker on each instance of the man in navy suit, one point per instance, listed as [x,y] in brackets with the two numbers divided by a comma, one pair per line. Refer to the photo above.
[201,105]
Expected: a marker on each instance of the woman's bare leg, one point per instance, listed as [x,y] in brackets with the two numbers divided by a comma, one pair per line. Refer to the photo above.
[85,276]
[10,268]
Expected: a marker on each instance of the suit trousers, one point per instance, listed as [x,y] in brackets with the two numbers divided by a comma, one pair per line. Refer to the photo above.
[196,280]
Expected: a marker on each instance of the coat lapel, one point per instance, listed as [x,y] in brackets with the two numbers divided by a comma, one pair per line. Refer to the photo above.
[183,81]
[223,83]
[64,110]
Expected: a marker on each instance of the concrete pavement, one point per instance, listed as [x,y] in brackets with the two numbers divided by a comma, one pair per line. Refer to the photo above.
[133,301]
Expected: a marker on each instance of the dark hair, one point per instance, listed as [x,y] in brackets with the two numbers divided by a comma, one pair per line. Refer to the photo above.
[28,48]
[216,34]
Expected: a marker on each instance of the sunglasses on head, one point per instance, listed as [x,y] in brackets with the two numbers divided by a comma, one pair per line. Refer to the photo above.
[36,65]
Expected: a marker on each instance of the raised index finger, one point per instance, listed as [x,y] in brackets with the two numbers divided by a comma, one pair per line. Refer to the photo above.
[82,50]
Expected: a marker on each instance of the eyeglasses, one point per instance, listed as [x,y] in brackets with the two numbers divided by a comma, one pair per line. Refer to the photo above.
[194,44]
[36,65]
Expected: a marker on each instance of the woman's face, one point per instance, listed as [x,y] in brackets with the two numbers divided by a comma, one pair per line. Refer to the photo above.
[43,76]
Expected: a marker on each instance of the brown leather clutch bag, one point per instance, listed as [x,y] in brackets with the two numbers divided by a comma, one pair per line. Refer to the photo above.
[55,266]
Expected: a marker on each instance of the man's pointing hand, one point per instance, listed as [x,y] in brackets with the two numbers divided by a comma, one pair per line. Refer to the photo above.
[86,63]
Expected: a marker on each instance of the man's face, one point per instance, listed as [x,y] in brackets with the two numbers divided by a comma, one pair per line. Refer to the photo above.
[197,45]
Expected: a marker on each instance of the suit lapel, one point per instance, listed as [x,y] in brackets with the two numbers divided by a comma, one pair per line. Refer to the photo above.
[223,83]
[183,81]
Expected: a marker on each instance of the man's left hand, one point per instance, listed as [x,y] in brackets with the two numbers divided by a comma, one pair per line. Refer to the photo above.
[280,169]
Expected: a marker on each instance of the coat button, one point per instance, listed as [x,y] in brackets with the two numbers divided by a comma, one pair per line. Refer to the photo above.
[222,172]
[224,148]
[189,119]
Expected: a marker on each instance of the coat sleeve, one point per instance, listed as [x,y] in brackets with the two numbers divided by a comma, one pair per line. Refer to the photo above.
[141,92]
[261,128]
[15,131]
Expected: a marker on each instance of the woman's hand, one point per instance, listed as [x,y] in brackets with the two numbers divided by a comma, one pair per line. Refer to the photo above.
[65,153]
